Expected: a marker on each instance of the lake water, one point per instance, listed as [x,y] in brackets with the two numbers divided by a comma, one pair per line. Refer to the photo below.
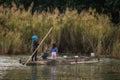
[107,69]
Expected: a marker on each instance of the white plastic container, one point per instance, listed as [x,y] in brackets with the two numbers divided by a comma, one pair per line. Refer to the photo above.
[76,56]
[65,56]
[92,54]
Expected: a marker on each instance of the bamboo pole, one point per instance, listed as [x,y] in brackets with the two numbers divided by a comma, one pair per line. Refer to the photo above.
[39,45]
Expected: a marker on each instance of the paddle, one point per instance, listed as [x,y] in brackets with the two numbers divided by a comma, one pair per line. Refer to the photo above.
[39,45]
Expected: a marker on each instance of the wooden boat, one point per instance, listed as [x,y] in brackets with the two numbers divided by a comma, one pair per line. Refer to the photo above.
[61,60]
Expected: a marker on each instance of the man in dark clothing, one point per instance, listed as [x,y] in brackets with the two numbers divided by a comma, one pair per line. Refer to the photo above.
[34,46]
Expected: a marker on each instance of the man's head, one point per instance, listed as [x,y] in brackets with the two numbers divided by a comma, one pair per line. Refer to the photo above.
[34,38]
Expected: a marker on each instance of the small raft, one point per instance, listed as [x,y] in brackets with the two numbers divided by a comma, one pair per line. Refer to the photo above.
[61,60]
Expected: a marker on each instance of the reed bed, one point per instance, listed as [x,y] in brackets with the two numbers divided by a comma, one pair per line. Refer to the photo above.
[73,32]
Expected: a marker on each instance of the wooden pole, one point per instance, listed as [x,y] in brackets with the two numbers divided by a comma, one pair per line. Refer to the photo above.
[39,45]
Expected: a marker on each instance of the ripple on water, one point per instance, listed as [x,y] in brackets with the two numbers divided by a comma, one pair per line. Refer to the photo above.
[7,63]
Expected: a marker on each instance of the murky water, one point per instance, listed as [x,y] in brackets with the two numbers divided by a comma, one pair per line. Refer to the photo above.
[107,69]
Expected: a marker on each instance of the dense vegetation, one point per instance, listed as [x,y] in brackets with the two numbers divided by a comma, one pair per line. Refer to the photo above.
[74,32]
[109,7]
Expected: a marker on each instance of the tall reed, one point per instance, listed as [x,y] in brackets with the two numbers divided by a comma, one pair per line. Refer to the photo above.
[73,32]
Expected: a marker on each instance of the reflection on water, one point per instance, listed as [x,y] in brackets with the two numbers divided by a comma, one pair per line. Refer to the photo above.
[53,72]
[34,72]
[108,69]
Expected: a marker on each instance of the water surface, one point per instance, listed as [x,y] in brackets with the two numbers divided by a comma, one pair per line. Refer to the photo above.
[107,69]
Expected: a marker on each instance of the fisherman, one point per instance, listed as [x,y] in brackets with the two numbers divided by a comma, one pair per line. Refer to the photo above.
[34,46]
[54,51]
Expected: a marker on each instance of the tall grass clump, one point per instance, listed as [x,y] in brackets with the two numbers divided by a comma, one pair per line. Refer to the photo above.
[115,42]
[73,32]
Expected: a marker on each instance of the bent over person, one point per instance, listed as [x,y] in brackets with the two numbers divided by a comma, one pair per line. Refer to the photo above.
[34,46]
